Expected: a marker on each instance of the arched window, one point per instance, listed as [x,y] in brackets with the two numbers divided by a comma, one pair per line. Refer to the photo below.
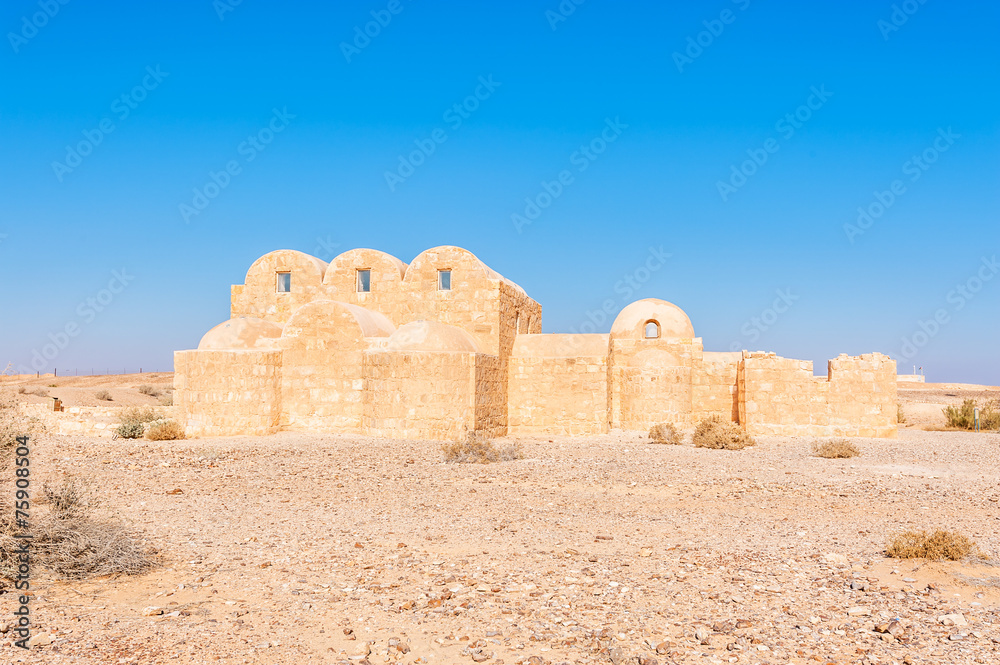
[652,330]
[517,324]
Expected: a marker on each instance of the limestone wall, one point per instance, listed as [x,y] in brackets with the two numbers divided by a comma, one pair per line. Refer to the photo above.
[651,381]
[386,293]
[419,394]
[713,389]
[491,396]
[322,366]
[779,396]
[558,384]
[223,393]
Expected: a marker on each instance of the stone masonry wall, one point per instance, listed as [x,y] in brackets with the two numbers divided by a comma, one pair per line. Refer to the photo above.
[558,384]
[781,397]
[713,390]
[225,393]
[419,395]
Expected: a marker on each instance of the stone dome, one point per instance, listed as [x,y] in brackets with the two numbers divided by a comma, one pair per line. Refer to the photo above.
[241,333]
[432,336]
[671,319]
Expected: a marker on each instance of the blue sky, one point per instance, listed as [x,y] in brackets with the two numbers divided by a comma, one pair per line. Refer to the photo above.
[838,103]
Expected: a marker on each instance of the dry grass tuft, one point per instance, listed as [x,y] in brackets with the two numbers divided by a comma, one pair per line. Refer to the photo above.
[103,395]
[719,434]
[149,390]
[13,423]
[167,400]
[70,543]
[900,416]
[39,392]
[477,449]
[938,545]
[665,433]
[164,430]
[836,449]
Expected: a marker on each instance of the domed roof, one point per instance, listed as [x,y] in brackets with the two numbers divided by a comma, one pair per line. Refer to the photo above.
[241,333]
[631,321]
[432,336]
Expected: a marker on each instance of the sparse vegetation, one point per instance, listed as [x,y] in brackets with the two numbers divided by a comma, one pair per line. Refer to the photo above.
[133,421]
[13,423]
[900,415]
[149,390]
[70,543]
[477,449]
[938,545]
[714,432]
[665,433]
[21,390]
[167,400]
[836,449]
[963,417]
[103,395]
[164,430]
[39,392]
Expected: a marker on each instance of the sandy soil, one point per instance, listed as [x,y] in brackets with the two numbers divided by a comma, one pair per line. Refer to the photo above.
[300,548]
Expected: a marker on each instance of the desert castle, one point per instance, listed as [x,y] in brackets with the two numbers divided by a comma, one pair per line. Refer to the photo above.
[446,346]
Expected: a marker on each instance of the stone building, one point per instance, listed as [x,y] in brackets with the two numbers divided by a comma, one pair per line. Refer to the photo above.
[446,346]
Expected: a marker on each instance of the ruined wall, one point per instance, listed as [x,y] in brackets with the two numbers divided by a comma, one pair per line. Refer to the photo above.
[419,394]
[258,297]
[779,396]
[225,393]
[713,389]
[558,384]
[323,347]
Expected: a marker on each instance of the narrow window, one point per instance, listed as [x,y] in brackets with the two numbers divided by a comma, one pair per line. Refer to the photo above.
[652,330]
[444,280]
[517,324]
[364,281]
[284,282]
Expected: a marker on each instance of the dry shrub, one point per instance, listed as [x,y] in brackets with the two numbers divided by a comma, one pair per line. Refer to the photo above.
[134,420]
[836,449]
[69,542]
[39,392]
[103,395]
[477,449]
[938,545]
[714,432]
[164,430]
[21,390]
[167,400]
[963,417]
[665,433]
[149,390]
[900,416]
[13,423]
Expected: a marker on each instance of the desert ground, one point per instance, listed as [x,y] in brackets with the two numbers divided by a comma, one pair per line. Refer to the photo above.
[305,548]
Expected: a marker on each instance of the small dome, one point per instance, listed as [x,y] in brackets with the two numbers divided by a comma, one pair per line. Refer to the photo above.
[242,333]
[432,336]
[671,319]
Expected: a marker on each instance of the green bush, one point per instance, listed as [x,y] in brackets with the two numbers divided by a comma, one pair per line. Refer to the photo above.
[963,417]
[134,419]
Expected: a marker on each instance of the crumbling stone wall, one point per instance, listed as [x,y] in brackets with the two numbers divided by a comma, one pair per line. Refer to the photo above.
[778,396]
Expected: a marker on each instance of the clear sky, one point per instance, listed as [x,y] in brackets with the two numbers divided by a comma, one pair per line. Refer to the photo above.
[714,154]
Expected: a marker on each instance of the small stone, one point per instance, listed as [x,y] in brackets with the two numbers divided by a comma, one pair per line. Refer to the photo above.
[859,611]
[40,640]
[478,655]
[646,551]
[152,611]
[956,619]
[648,660]
[618,656]
[702,635]
[663,647]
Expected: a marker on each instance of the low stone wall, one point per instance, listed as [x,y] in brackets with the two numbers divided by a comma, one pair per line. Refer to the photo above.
[225,393]
[779,396]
